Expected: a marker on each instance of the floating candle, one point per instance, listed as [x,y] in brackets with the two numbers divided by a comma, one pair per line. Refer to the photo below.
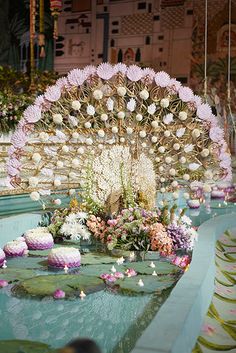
[152,265]
[66,268]
[120,261]
[4,264]
[82,295]
[140,283]
[154,273]
[113,269]
[132,256]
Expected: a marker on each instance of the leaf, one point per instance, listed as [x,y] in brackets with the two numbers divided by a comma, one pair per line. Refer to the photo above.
[93,258]
[152,284]
[18,346]
[97,270]
[229,300]
[229,278]
[197,349]
[213,310]
[214,346]
[224,283]
[143,267]
[15,274]
[71,284]
[230,330]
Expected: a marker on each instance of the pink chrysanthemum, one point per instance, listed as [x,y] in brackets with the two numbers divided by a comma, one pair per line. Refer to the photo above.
[162,79]
[90,70]
[76,77]
[204,111]
[39,101]
[186,94]
[105,71]
[148,76]
[32,114]
[217,135]
[13,152]
[62,83]
[173,86]
[225,159]
[18,139]
[120,67]
[53,93]
[134,73]
[229,176]
[197,100]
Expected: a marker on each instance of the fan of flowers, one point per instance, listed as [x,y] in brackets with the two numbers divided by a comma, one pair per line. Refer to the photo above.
[81,130]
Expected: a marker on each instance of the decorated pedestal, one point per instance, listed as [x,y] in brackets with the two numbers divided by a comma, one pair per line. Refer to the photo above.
[2,257]
[217,194]
[15,248]
[64,257]
[193,204]
[39,239]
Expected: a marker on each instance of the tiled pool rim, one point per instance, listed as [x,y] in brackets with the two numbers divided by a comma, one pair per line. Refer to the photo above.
[177,324]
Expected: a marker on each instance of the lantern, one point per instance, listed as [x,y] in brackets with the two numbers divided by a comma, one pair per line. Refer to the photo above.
[55,7]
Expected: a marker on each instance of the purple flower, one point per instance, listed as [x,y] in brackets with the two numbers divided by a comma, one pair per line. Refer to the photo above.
[90,70]
[174,86]
[204,111]
[18,139]
[120,67]
[53,93]
[162,79]
[62,83]
[39,100]
[217,134]
[76,77]
[32,114]
[148,75]
[105,71]
[3,283]
[108,277]
[134,73]
[179,236]
[186,94]
[59,294]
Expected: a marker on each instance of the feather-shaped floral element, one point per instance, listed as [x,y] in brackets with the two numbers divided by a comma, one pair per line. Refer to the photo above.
[134,73]
[76,77]
[32,114]
[105,71]
[186,94]
[162,79]
[131,104]
[53,93]
[120,67]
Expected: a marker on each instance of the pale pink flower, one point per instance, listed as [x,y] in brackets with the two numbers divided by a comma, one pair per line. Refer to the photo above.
[62,83]
[90,70]
[148,75]
[134,73]
[130,272]
[204,111]
[32,114]
[118,275]
[105,71]
[186,94]
[59,294]
[13,151]
[18,139]
[162,79]
[53,93]
[173,86]
[225,160]
[233,311]
[39,100]
[217,134]
[3,283]
[120,67]
[76,77]
[197,100]
[12,171]
[229,175]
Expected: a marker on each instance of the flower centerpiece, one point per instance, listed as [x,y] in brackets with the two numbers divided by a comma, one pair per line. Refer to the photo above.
[39,239]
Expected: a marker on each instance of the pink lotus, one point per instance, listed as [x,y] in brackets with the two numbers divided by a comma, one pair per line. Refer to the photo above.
[59,294]
[118,275]
[130,272]
[3,283]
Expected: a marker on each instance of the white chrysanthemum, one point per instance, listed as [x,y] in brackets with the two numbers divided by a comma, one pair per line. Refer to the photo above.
[90,110]
[188,148]
[72,120]
[164,103]
[121,91]
[97,94]
[180,132]
[57,119]
[144,94]
[76,105]
[151,108]
[110,104]
[194,166]
[131,104]
[35,196]
[168,118]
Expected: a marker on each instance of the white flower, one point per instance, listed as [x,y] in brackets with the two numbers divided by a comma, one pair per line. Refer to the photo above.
[164,102]
[57,182]
[34,196]
[75,162]
[114,129]
[142,133]
[196,133]
[151,109]
[139,117]
[90,110]
[205,152]
[162,180]
[75,135]
[121,115]
[186,220]
[104,117]
[172,172]
[176,146]
[110,104]
[47,172]
[122,139]
[129,130]
[168,160]
[87,125]
[72,192]
[65,149]
[33,182]
[144,145]
[168,118]
[57,119]
[89,141]
[154,124]
[97,94]
[180,132]
[183,115]
[193,166]
[121,91]
[72,175]
[186,196]
[188,148]
[207,188]
[182,160]
[174,184]
[43,136]
[60,164]
[161,169]
[167,133]
[157,159]
[186,177]
[151,151]
[72,120]
[100,146]
[144,94]
[132,142]
[57,202]
[162,190]
[154,139]
[131,104]
[161,149]
[101,133]
[208,174]
[80,150]
[36,157]
[76,105]
[175,195]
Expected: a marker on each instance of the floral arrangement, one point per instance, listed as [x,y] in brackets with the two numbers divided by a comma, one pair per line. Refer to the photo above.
[141,230]
[16,247]
[69,223]
[159,128]
[39,239]
[64,257]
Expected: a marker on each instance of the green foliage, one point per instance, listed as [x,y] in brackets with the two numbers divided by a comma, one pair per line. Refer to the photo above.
[22,346]
[16,274]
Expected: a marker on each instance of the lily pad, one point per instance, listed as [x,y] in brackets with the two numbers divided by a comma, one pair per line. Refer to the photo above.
[24,262]
[97,270]
[47,284]
[93,258]
[16,346]
[152,284]
[143,267]
[16,274]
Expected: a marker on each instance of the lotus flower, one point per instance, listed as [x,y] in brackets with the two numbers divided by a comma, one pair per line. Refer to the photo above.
[59,294]
[3,283]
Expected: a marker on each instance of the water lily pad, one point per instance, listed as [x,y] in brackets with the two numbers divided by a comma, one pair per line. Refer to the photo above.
[93,258]
[152,284]
[16,274]
[16,346]
[143,267]
[97,270]
[70,284]
[24,262]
